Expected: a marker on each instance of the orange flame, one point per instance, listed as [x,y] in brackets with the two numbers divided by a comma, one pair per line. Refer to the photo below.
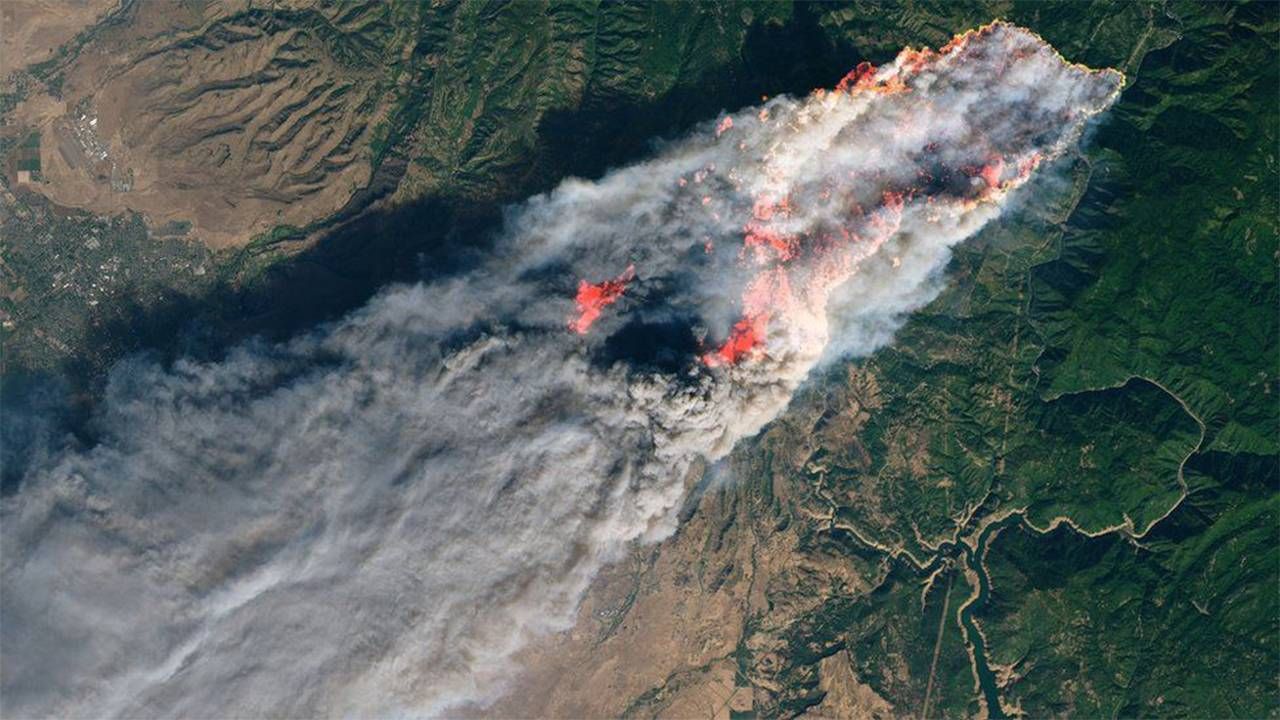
[816,262]
[747,335]
[863,78]
[991,172]
[769,291]
[593,298]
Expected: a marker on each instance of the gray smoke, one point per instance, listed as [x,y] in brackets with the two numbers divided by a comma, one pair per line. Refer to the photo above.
[372,519]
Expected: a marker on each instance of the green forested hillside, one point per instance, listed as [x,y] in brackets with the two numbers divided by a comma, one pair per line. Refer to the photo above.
[1080,434]
[1059,483]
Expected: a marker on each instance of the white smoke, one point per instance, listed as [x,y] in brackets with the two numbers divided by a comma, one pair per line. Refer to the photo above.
[372,519]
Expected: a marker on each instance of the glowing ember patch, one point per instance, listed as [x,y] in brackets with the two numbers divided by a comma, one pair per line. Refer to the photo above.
[991,172]
[769,292]
[894,201]
[759,238]
[872,179]
[864,78]
[765,208]
[913,61]
[959,41]
[747,335]
[762,210]
[861,76]
[815,208]
[1028,165]
[593,298]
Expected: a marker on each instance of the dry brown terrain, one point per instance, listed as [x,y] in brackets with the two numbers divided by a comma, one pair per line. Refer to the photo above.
[31,31]
[696,626]
[658,634]
[232,121]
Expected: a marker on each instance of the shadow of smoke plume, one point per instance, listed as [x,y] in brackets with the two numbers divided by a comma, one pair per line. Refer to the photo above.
[369,246]
[381,512]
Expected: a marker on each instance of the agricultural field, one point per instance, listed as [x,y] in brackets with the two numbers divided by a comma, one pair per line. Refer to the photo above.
[1054,494]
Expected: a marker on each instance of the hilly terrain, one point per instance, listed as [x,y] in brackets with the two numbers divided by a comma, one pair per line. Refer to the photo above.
[299,155]
[1054,495]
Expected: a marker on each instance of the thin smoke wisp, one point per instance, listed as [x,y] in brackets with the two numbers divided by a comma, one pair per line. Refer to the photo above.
[375,517]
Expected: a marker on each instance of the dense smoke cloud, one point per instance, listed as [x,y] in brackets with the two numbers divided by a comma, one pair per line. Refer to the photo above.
[373,518]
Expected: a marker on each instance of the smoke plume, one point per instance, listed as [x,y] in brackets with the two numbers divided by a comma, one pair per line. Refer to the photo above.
[373,518]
